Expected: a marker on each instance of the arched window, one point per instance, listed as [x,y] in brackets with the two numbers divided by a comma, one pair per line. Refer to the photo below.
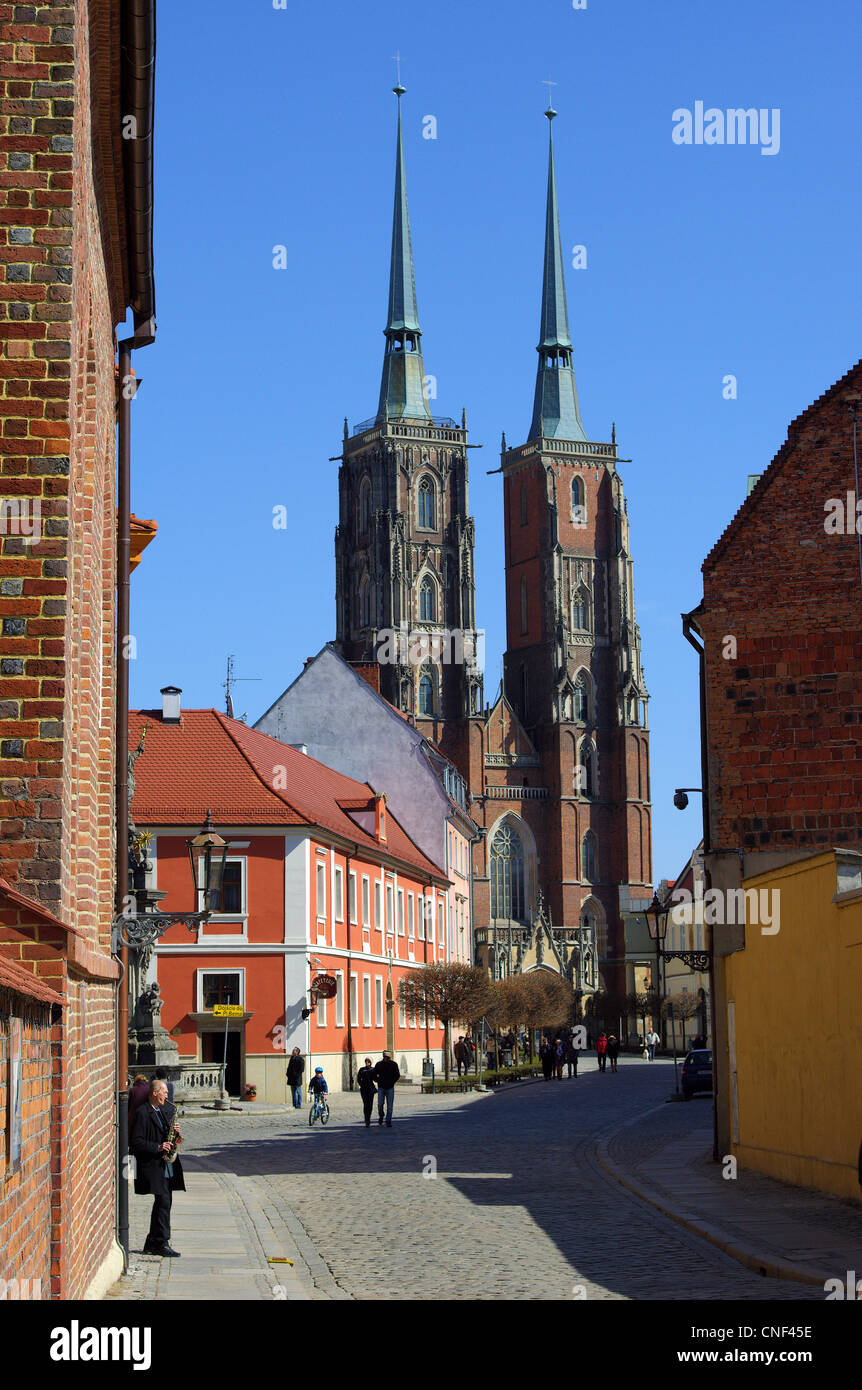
[582,699]
[524,615]
[426,693]
[365,602]
[427,503]
[507,874]
[427,600]
[364,507]
[588,857]
[579,502]
[585,772]
[580,609]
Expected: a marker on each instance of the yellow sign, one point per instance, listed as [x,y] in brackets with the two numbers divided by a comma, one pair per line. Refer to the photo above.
[228,1010]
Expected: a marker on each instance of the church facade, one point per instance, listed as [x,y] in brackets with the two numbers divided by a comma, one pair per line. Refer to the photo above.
[558,765]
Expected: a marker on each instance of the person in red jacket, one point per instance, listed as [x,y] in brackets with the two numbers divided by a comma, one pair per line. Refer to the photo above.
[602,1050]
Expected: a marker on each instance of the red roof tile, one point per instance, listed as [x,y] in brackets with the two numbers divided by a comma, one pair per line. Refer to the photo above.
[211,762]
[13,976]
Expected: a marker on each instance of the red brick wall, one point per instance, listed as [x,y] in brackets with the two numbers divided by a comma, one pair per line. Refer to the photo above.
[25,1196]
[57,595]
[784,713]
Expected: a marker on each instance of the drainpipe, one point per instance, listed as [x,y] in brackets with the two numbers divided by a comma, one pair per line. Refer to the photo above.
[347,916]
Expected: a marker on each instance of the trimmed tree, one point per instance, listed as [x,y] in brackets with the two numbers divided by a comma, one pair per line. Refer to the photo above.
[510,1007]
[448,990]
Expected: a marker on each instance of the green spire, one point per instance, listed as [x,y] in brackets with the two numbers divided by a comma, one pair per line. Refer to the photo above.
[401,394]
[555,408]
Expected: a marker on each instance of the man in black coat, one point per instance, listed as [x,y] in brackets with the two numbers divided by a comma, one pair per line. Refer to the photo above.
[153,1175]
[386,1073]
[367,1089]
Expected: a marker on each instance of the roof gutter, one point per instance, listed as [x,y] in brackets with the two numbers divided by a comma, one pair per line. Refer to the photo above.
[138,100]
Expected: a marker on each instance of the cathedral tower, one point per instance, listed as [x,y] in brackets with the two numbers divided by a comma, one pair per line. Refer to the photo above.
[404,540]
[572,668]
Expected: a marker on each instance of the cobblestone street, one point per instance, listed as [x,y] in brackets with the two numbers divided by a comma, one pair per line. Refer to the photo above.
[519,1208]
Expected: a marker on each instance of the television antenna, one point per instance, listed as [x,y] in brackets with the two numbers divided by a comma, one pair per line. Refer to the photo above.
[229,683]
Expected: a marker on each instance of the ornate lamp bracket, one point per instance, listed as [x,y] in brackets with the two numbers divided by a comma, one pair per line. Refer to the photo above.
[142,932]
[695,960]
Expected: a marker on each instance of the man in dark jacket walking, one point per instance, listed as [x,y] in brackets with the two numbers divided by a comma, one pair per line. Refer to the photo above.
[546,1057]
[385,1074]
[154,1176]
[367,1089]
[571,1056]
[295,1068]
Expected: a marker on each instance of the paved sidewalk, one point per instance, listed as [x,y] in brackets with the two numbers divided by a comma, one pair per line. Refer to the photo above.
[771,1227]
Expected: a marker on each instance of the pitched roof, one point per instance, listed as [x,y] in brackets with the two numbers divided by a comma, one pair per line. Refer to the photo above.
[15,977]
[211,762]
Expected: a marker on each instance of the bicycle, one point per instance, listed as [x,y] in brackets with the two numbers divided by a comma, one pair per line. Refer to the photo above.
[319,1109]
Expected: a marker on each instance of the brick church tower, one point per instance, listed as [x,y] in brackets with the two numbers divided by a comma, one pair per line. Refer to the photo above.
[573,682]
[404,540]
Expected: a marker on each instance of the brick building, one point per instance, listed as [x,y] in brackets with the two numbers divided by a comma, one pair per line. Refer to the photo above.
[781,630]
[75,251]
[558,768]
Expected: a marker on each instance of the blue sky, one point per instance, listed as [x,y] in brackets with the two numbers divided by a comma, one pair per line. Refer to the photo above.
[277,127]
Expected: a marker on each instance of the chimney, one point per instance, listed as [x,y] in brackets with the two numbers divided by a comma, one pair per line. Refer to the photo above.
[380,818]
[170,704]
[300,748]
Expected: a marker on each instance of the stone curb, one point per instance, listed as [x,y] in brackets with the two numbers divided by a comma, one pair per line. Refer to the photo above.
[745,1255]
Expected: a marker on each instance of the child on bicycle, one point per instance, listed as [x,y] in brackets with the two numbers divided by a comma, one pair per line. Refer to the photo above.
[317,1085]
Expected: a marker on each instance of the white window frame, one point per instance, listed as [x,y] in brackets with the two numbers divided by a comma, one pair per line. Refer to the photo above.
[378,1001]
[321,1012]
[400,918]
[321,879]
[366,901]
[441,923]
[199,983]
[240,936]
[339,998]
[411,924]
[366,1001]
[420,917]
[338,893]
[402,1011]
[390,909]
[378,904]
[354,1001]
[351,898]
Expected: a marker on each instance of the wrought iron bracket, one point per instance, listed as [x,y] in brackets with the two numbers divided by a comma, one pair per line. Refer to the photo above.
[145,930]
[695,960]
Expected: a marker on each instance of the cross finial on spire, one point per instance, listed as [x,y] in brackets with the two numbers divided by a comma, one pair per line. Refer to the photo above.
[550,113]
[398,89]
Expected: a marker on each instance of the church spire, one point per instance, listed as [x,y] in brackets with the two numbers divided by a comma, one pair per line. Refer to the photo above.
[401,393]
[555,408]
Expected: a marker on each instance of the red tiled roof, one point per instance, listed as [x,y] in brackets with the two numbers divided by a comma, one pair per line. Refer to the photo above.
[13,976]
[211,762]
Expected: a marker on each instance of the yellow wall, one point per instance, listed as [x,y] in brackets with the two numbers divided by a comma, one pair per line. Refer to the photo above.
[797,996]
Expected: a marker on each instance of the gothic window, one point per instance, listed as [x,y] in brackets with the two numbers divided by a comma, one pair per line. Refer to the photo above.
[427,503]
[406,695]
[507,874]
[588,857]
[426,693]
[566,706]
[585,772]
[582,703]
[524,615]
[579,502]
[365,602]
[427,600]
[364,507]
[580,609]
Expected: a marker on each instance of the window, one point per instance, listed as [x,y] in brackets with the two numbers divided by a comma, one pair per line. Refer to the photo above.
[410,927]
[365,602]
[321,1013]
[364,506]
[366,902]
[378,906]
[585,772]
[427,503]
[441,924]
[427,600]
[366,1000]
[426,694]
[219,987]
[402,1011]
[378,1001]
[523,504]
[580,609]
[339,998]
[582,707]
[354,1005]
[420,917]
[400,911]
[507,875]
[339,894]
[351,896]
[524,603]
[588,857]
[389,908]
[321,892]
[231,898]
[579,503]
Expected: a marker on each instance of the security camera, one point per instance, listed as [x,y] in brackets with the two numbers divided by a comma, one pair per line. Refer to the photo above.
[680,800]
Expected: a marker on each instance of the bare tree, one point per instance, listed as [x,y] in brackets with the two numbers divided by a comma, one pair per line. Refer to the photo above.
[511,1005]
[448,990]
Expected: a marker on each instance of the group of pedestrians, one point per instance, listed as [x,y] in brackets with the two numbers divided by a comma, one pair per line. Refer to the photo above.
[607,1050]
[556,1054]
[373,1080]
[465,1052]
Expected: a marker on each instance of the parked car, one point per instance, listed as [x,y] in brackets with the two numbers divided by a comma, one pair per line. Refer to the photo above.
[696,1072]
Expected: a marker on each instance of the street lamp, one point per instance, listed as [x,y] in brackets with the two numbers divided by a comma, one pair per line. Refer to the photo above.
[657,914]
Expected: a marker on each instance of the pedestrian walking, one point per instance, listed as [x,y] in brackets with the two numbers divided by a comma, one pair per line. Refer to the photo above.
[460,1051]
[546,1057]
[367,1089]
[385,1075]
[295,1068]
[154,1176]
[571,1056]
[602,1050]
[470,1051]
[559,1057]
[613,1050]
[652,1042]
